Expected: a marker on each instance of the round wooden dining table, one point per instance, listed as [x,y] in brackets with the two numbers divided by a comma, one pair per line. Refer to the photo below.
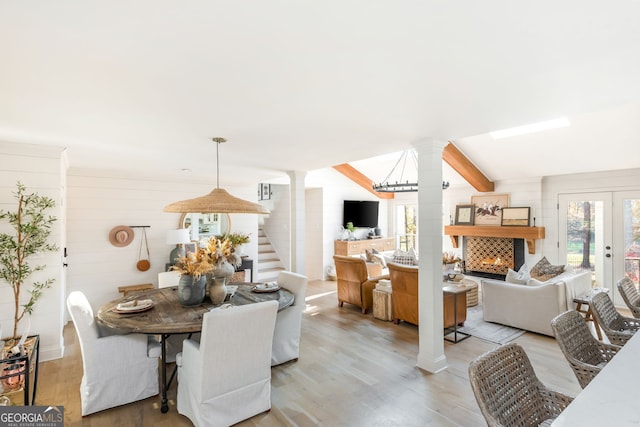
[167,316]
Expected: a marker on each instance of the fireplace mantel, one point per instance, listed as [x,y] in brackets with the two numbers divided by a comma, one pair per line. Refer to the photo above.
[529,234]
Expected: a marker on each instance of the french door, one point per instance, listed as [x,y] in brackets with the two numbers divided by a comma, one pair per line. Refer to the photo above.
[601,232]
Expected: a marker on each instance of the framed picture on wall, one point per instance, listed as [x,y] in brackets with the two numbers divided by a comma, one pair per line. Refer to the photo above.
[264,191]
[488,208]
[464,215]
[189,248]
[515,216]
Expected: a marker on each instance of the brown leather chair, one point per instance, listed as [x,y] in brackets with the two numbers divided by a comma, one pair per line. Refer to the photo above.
[354,285]
[404,294]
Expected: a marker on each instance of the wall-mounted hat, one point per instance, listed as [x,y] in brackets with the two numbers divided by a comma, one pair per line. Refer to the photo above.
[121,235]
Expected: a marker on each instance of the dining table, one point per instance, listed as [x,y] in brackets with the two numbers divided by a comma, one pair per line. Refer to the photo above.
[167,316]
[610,399]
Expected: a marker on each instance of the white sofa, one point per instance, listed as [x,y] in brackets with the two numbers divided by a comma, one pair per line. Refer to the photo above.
[532,307]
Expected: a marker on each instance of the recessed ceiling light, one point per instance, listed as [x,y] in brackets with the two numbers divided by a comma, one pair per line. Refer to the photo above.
[534,127]
[185,170]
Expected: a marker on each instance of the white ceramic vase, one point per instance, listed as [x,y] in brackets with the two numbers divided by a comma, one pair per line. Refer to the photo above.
[217,289]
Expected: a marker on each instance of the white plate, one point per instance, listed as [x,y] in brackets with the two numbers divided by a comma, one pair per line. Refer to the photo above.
[130,307]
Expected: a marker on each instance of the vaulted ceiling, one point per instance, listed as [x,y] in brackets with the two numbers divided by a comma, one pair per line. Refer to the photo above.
[299,86]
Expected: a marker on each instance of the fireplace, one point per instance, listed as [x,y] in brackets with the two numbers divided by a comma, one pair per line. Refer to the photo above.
[492,257]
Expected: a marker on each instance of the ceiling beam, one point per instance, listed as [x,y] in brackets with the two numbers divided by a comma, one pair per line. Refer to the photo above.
[454,158]
[461,164]
[360,179]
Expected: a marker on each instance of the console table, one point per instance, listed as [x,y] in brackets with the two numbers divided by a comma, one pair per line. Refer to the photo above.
[357,247]
[247,264]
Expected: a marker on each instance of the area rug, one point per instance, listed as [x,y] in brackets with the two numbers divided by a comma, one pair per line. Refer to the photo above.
[487,331]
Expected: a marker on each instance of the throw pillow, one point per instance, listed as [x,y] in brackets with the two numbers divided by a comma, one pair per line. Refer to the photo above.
[370,256]
[544,270]
[402,257]
[520,277]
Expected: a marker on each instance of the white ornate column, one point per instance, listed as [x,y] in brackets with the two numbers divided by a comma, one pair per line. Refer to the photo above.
[297,193]
[431,355]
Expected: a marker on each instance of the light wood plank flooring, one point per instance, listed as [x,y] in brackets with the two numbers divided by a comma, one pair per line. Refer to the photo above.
[353,370]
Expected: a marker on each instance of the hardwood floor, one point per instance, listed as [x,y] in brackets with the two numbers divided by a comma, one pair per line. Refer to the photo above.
[353,370]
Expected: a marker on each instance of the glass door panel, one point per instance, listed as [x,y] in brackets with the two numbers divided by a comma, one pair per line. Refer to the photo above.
[605,229]
[627,208]
[407,226]
[585,236]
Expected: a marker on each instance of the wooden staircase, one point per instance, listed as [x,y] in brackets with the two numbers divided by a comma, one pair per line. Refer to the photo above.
[269,264]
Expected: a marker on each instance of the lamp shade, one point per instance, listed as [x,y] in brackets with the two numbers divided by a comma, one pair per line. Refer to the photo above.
[218,201]
[178,236]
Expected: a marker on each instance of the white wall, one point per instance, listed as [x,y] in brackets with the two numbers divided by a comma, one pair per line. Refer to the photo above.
[41,170]
[337,188]
[99,201]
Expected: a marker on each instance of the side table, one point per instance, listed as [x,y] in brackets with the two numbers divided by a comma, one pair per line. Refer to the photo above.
[382,305]
[585,299]
[455,291]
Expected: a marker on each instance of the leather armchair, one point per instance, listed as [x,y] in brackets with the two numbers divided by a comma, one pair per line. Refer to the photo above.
[354,285]
[404,294]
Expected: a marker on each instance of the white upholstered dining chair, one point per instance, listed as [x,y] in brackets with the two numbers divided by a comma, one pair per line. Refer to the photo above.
[226,378]
[286,337]
[117,369]
[167,279]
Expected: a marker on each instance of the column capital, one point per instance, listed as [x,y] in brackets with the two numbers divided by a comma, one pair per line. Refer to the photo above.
[430,145]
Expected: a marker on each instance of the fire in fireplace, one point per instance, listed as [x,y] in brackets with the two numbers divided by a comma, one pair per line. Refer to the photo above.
[492,257]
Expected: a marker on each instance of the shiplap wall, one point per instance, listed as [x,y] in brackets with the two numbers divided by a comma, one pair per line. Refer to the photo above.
[41,170]
[100,201]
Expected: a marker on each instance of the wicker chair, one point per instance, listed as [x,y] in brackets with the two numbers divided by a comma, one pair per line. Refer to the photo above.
[586,355]
[617,328]
[508,391]
[630,295]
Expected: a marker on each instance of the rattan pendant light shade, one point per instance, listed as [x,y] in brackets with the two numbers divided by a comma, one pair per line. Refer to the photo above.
[218,201]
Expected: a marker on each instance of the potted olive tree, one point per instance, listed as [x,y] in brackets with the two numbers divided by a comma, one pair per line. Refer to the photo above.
[31,229]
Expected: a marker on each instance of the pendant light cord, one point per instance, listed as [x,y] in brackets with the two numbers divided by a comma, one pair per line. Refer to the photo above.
[218,140]
[217,164]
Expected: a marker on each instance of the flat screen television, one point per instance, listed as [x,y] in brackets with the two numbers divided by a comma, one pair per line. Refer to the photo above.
[360,213]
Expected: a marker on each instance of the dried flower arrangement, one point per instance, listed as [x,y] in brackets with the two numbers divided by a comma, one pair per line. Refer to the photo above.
[220,250]
[216,251]
[238,239]
[194,264]
[450,258]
